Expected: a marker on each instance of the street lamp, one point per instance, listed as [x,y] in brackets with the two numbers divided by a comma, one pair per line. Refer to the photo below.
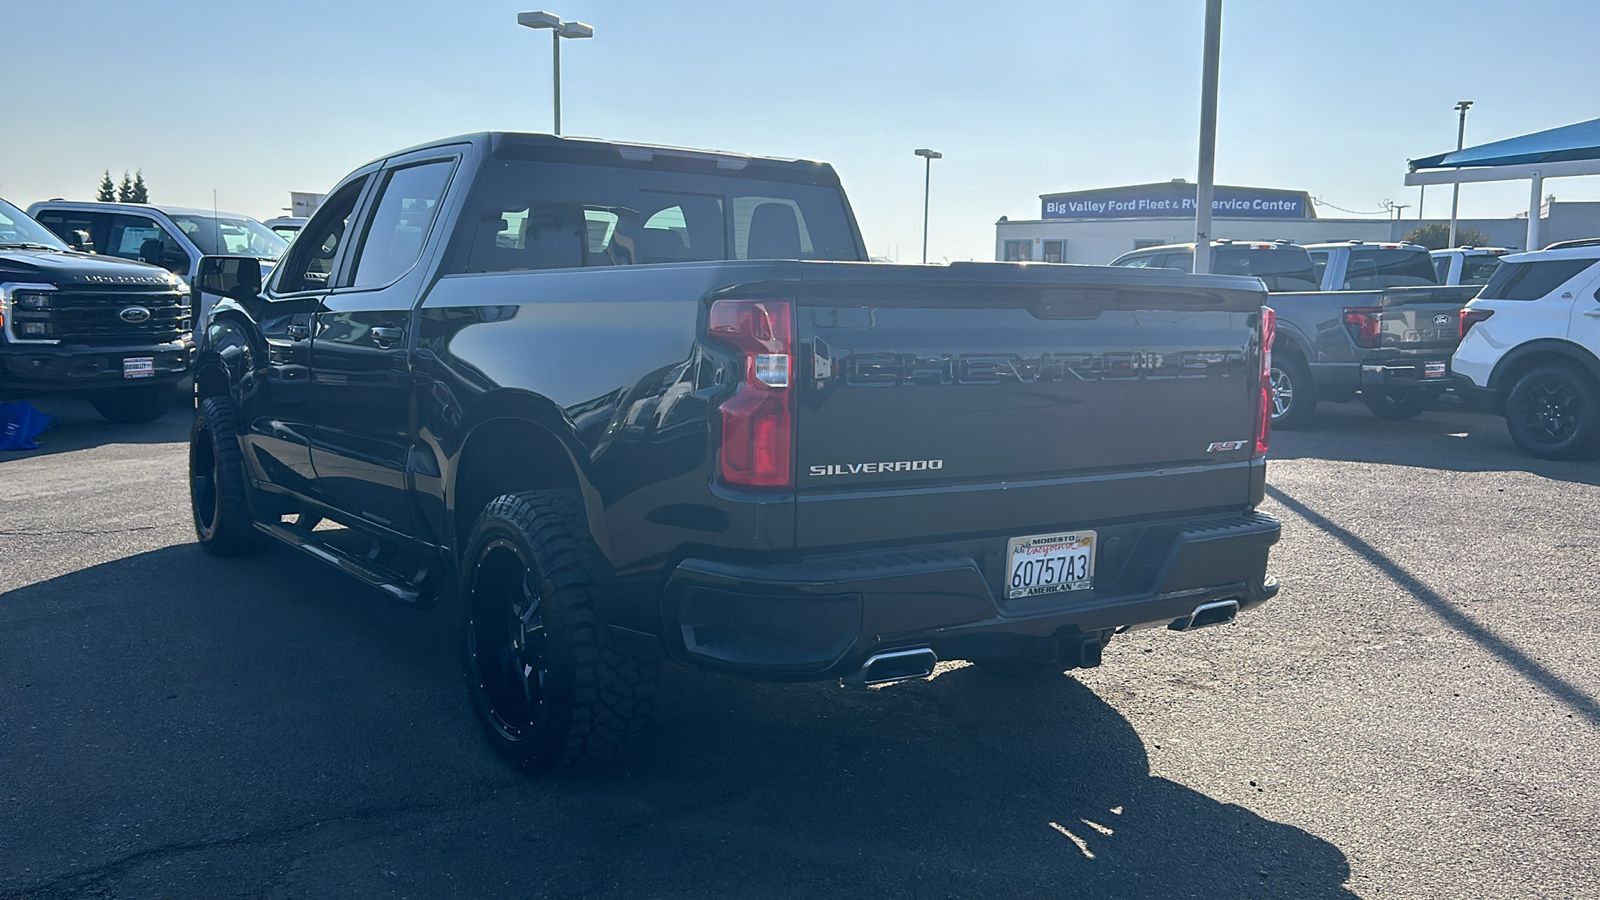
[927,178]
[558,30]
[1455,196]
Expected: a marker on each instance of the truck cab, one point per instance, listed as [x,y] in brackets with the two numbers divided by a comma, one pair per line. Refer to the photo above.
[1281,265]
[1467,265]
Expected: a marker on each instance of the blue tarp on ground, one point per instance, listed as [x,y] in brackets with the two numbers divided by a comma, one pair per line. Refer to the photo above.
[1577,141]
[20,423]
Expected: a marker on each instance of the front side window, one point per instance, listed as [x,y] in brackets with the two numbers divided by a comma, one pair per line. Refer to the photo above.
[1019,251]
[1136,262]
[401,223]
[310,263]
[1532,280]
[230,236]
[142,239]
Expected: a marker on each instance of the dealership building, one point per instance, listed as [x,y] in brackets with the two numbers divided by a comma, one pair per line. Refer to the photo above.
[1096,226]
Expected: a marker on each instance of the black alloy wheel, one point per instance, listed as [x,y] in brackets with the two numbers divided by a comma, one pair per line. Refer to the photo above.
[219,498]
[506,641]
[1553,412]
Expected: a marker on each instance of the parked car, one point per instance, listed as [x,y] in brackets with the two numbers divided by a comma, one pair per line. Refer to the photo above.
[171,237]
[1530,349]
[286,227]
[1467,265]
[114,331]
[1281,265]
[1371,265]
[626,402]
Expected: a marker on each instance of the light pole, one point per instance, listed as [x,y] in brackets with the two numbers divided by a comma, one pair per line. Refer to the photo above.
[927,179]
[558,30]
[1455,195]
[1205,190]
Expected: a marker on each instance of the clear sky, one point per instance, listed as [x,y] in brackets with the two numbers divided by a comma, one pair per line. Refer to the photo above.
[255,99]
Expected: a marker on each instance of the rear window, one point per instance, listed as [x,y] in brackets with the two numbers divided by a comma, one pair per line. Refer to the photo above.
[1376,268]
[1478,269]
[531,214]
[1532,280]
[1280,268]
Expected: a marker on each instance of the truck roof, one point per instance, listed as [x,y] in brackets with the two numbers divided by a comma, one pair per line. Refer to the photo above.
[499,141]
[90,205]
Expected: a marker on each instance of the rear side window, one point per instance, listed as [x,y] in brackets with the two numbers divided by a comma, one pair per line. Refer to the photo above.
[527,214]
[1478,269]
[401,223]
[1319,265]
[1532,280]
[1281,268]
[1377,268]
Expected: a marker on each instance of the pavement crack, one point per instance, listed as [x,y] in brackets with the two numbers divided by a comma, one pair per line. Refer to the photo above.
[84,531]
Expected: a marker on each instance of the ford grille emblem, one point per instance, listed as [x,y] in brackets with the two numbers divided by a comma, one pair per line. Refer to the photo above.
[1441,319]
[133,315]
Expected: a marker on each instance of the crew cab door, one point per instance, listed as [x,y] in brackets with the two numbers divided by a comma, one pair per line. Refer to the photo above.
[360,354]
[278,416]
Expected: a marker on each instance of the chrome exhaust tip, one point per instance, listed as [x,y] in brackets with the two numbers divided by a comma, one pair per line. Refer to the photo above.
[895,665]
[1206,614]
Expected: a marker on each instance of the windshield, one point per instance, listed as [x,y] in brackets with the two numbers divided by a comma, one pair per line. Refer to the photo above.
[1375,268]
[17,228]
[231,237]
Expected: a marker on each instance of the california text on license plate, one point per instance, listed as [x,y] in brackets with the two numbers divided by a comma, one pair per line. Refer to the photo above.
[1049,564]
[138,366]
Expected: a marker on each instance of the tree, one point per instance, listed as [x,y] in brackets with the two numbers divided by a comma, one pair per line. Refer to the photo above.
[125,189]
[1436,236]
[108,191]
[139,194]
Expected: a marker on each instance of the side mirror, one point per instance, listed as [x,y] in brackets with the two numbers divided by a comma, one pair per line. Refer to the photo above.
[238,277]
[235,277]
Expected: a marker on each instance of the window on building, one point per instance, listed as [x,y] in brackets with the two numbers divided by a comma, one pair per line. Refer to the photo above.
[1055,251]
[1019,251]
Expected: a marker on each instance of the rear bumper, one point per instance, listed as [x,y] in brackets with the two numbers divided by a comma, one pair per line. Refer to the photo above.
[1477,398]
[1419,372]
[28,370]
[822,617]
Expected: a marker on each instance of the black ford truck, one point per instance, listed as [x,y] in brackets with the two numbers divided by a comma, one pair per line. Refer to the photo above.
[624,403]
[115,331]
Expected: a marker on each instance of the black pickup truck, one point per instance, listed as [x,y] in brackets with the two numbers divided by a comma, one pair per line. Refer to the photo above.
[114,331]
[625,403]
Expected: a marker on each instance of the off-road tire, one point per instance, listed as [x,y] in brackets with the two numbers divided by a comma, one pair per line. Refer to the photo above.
[133,405]
[1553,412]
[548,685]
[1290,375]
[1399,405]
[219,495]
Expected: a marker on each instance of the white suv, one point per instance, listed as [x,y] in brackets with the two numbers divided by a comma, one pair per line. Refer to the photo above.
[1530,346]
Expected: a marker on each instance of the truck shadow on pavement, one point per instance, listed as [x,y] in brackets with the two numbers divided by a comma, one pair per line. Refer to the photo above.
[1447,437]
[267,723]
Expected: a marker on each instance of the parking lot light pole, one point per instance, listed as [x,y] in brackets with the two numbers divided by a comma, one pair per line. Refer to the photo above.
[927,180]
[558,30]
[1455,196]
[1205,190]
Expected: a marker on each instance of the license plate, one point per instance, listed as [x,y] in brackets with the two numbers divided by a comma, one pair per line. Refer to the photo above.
[138,366]
[1050,564]
[1433,370]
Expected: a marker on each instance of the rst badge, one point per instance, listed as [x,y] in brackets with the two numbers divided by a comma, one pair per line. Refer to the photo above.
[1225,446]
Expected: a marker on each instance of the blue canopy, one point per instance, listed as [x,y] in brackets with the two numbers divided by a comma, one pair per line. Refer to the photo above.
[1569,142]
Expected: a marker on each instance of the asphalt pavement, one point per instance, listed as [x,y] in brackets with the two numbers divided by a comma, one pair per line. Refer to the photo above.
[1416,716]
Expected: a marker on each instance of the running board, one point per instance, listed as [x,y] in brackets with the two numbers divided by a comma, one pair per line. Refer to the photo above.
[397,587]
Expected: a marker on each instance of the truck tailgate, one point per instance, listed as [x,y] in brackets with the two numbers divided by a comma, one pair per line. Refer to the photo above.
[995,397]
[1422,318]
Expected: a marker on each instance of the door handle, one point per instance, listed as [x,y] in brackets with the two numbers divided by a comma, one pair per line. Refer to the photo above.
[298,332]
[384,335]
[1592,313]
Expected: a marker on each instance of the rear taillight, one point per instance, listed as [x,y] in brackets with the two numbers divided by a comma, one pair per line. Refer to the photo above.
[1365,324]
[1269,333]
[1471,317]
[758,420]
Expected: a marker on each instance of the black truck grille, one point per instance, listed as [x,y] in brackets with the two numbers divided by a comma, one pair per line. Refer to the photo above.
[107,316]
